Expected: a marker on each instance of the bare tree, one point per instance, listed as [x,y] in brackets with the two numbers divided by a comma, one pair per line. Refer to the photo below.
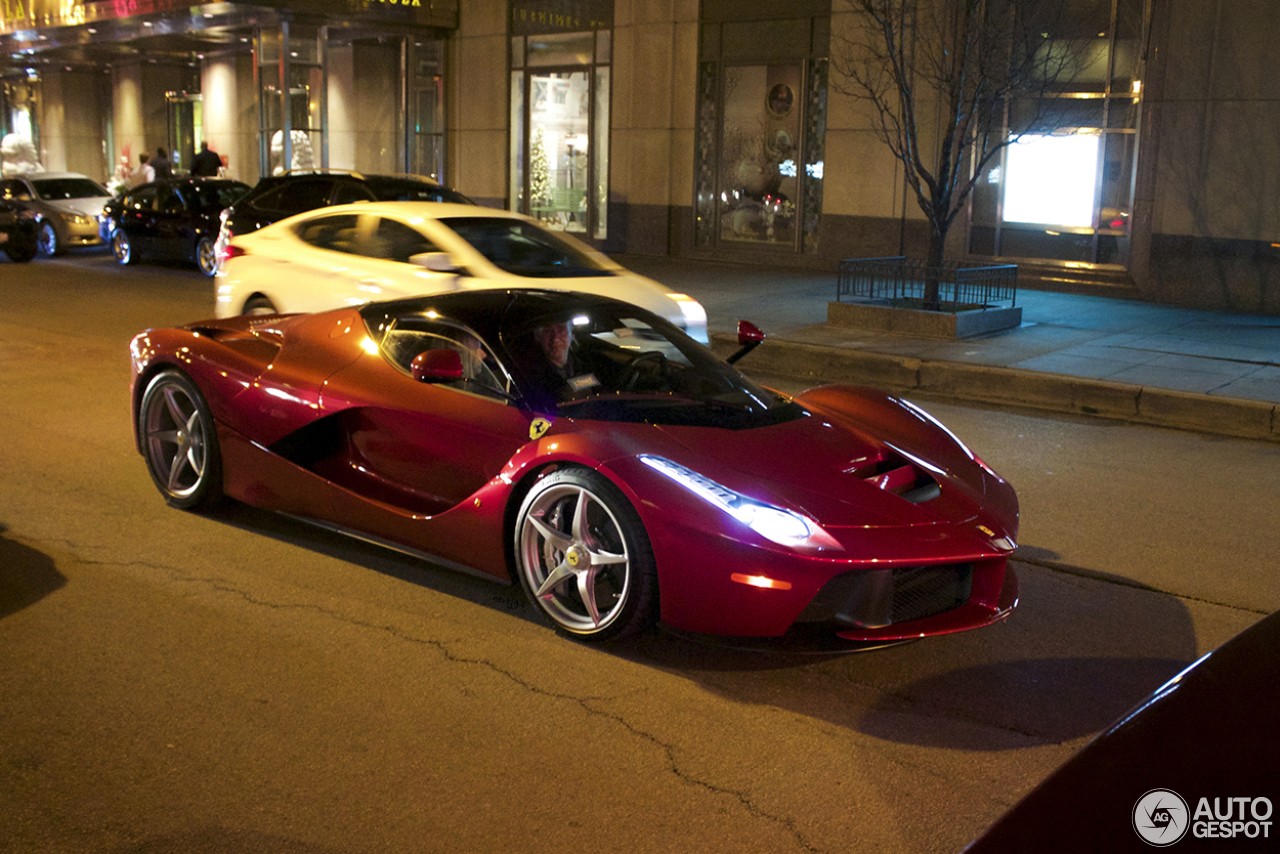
[939,76]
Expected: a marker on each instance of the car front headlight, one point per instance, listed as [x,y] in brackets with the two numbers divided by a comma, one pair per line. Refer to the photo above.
[784,527]
[694,316]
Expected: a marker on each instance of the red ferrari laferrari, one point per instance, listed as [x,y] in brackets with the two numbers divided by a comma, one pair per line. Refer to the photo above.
[589,449]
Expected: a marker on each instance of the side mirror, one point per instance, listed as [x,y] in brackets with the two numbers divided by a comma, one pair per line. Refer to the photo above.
[436,262]
[750,337]
[436,366]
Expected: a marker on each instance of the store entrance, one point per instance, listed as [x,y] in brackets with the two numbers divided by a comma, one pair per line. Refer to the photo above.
[186,128]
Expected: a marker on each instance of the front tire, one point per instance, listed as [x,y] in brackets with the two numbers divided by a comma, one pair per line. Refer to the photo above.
[47,240]
[122,248]
[206,256]
[180,441]
[583,557]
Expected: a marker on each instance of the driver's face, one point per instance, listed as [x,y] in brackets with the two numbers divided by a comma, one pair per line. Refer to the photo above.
[554,340]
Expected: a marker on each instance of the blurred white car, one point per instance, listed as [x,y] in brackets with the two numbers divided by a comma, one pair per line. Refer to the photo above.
[358,253]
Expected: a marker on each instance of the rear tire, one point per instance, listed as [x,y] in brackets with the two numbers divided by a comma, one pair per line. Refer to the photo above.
[180,441]
[122,248]
[258,304]
[206,256]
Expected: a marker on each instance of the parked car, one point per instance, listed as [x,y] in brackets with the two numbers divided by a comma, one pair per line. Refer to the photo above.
[278,196]
[351,254]
[67,207]
[174,218]
[17,231]
[592,452]
[1196,760]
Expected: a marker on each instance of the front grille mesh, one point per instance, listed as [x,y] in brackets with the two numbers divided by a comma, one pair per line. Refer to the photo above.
[883,597]
[923,591]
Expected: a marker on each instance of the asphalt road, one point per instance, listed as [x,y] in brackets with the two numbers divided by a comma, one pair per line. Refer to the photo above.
[240,682]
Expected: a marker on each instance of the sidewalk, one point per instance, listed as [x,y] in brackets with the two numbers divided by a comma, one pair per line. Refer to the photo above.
[1201,370]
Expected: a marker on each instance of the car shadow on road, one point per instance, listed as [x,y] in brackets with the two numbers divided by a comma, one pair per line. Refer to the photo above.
[476,588]
[1080,650]
[26,575]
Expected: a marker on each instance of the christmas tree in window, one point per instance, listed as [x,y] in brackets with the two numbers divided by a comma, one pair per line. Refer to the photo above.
[539,171]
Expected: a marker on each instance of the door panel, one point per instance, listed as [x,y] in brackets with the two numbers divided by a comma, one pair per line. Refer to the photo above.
[431,446]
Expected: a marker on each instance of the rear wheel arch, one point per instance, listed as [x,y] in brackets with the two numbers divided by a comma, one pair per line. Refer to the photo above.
[258,303]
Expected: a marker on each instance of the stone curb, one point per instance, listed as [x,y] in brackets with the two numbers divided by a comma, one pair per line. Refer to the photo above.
[1204,413]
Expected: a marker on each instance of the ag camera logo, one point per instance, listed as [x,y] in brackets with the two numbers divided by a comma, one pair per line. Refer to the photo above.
[1160,817]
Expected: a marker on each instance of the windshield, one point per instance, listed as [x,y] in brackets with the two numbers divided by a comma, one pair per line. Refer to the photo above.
[609,364]
[55,189]
[524,249]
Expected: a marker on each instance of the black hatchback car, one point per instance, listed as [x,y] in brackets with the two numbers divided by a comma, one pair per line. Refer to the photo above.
[17,231]
[173,218]
[278,196]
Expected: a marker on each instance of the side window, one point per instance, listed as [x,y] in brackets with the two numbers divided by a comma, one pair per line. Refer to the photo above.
[396,241]
[482,374]
[142,200]
[337,233]
[296,196]
[15,190]
[170,201]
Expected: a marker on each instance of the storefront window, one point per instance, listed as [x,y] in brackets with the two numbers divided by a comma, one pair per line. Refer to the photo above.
[560,126]
[759,153]
[1063,190]
[1052,179]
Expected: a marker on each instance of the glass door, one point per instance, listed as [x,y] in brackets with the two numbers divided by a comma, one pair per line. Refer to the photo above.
[186,128]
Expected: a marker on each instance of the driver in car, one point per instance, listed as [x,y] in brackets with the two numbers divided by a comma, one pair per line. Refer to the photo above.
[554,339]
[555,342]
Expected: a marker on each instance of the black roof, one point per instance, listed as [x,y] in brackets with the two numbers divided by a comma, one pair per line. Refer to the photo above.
[487,310]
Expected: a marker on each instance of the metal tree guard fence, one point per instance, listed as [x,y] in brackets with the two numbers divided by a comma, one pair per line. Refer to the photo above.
[899,281]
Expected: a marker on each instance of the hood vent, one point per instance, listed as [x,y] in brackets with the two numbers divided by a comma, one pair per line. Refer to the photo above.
[890,471]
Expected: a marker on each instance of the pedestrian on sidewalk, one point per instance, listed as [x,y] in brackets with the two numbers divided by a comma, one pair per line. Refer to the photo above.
[161,165]
[143,173]
[206,163]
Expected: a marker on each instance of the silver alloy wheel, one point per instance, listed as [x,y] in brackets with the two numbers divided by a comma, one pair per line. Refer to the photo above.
[120,247]
[206,256]
[48,239]
[179,441]
[582,556]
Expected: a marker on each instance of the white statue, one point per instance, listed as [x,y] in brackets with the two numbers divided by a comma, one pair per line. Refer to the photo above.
[18,155]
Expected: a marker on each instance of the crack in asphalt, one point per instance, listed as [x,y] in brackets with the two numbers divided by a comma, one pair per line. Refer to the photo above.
[669,750]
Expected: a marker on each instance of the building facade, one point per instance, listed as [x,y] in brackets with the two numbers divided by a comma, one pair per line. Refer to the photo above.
[704,130]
